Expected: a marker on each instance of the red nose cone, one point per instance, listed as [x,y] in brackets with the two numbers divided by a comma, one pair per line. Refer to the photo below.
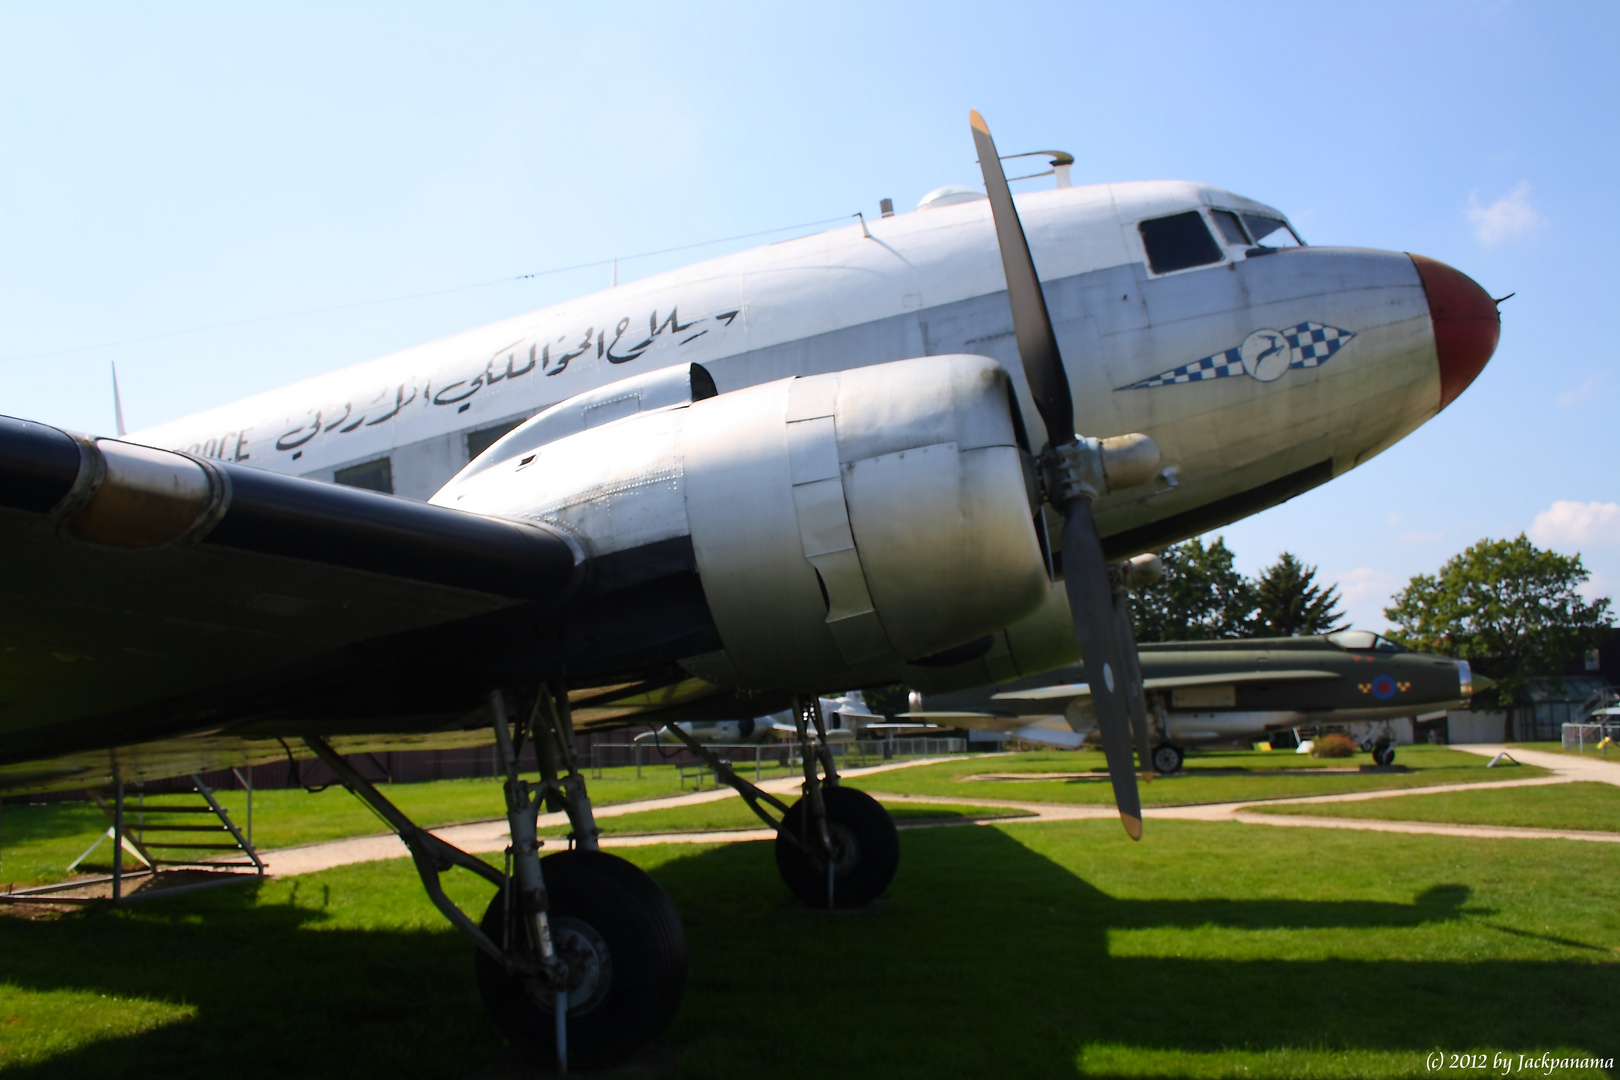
[1466,325]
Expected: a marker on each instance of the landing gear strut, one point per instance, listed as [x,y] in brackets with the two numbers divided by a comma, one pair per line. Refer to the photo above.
[836,847]
[580,957]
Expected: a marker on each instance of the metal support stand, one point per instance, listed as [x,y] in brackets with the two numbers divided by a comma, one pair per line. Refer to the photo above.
[555,719]
[431,855]
[118,835]
[807,714]
[522,882]
[523,802]
[725,774]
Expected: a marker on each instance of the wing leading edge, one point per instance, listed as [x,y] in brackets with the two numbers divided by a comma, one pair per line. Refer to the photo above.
[151,594]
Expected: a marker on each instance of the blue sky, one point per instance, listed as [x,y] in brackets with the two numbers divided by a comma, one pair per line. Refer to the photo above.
[169,168]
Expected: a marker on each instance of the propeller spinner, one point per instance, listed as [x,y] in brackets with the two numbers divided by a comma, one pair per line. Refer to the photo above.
[1076,470]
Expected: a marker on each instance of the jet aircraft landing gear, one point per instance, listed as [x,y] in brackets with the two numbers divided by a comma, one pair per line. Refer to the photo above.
[836,847]
[1167,758]
[581,957]
[1381,744]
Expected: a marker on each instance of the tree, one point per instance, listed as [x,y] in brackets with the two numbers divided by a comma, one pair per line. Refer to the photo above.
[1288,602]
[1507,607]
[1200,598]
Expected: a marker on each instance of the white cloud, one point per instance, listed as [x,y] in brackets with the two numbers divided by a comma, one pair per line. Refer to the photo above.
[1509,217]
[1592,387]
[1366,591]
[1598,585]
[1568,524]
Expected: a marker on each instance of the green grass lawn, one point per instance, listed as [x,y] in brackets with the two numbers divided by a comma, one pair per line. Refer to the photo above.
[1034,950]
[1591,750]
[1209,776]
[38,842]
[1584,805]
[733,813]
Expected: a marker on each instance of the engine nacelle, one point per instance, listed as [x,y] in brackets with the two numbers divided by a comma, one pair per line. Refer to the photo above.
[840,524]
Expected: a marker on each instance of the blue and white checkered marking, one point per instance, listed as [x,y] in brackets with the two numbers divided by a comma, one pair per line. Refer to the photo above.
[1310,344]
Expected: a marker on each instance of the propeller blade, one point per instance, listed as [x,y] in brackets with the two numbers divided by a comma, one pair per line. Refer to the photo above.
[1032,324]
[1091,602]
[1125,634]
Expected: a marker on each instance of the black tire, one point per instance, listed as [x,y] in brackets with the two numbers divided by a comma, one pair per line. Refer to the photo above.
[1384,754]
[865,841]
[1167,758]
[631,968]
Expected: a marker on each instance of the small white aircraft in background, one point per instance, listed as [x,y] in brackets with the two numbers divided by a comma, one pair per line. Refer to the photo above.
[847,718]
[886,453]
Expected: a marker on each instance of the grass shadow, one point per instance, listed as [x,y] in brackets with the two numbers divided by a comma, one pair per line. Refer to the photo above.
[988,958]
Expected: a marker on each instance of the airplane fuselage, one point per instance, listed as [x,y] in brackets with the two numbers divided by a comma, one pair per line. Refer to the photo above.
[1240,429]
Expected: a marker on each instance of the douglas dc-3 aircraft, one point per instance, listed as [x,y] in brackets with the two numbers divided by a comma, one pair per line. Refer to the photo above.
[1228,691]
[887,452]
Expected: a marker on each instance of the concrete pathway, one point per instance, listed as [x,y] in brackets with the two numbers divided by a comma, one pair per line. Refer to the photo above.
[482,837]
[1568,766]
[491,836]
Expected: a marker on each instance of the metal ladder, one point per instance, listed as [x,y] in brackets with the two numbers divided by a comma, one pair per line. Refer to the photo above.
[156,817]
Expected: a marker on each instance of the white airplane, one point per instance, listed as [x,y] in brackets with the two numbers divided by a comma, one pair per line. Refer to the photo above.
[846,718]
[887,452]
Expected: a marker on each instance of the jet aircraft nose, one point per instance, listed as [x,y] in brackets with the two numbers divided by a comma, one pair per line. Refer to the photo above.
[1466,324]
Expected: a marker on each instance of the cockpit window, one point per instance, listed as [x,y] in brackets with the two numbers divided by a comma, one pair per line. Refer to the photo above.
[1178,242]
[1230,227]
[1269,232]
[1364,639]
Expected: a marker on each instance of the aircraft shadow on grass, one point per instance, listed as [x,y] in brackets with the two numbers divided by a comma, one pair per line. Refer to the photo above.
[987,959]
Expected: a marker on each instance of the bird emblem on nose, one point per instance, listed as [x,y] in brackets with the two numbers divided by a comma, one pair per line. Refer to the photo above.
[1265,355]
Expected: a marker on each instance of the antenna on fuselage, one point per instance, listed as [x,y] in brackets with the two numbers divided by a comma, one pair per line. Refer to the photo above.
[118,404]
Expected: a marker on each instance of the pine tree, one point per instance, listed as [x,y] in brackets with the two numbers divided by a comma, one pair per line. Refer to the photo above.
[1288,602]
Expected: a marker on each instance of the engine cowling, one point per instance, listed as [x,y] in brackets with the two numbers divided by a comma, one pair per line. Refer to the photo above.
[840,524]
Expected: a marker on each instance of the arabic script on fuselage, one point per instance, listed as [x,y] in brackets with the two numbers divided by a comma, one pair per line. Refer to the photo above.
[546,356]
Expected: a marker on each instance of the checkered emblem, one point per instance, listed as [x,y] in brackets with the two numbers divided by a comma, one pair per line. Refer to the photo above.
[1260,356]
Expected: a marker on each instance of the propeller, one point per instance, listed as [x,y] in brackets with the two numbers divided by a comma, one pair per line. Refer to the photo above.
[1075,471]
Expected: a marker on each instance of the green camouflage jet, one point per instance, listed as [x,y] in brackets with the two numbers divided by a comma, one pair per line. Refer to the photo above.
[1201,692]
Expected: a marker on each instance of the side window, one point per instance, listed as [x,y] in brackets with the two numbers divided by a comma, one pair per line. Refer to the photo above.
[1269,232]
[373,476]
[1231,228]
[484,438]
[1178,242]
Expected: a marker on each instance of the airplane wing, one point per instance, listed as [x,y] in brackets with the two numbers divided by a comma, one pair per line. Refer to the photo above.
[150,594]
[1065,691]
[202,753]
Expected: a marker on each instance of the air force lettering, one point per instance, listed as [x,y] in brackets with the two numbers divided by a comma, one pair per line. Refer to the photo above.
[1263,355]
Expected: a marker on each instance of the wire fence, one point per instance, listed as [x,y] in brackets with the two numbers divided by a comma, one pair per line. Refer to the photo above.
[1599,735]
[856,754]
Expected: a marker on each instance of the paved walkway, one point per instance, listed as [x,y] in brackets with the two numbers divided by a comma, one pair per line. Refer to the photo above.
[491,836]
[480,837]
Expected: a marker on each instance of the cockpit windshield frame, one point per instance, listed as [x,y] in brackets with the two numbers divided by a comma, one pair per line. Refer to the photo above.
[1364,641]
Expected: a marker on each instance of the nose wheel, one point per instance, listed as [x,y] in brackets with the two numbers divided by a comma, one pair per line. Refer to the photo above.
[1167,758]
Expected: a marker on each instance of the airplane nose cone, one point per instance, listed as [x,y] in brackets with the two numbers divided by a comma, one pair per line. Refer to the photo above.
[1466,324]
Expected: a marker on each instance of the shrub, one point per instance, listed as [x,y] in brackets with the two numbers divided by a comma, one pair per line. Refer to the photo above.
[1334,746]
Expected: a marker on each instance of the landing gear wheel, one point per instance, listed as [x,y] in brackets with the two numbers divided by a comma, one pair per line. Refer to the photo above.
[626,953]
[1167,758]
[865,844]
[1383,754]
